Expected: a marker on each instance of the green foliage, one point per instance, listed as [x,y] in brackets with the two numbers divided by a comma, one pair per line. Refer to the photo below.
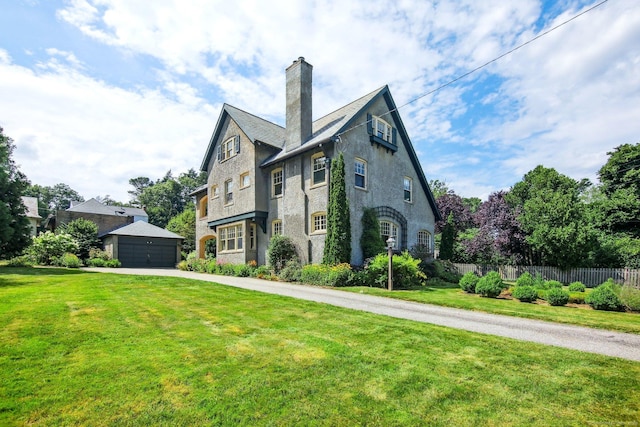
[14,225]
[576,287]
[525,279]
[490,285]
[630,297]
[448,239]
[85,233]
[577,297]
[96,262]
[184,224]
[605,297]
[337,245]
[441,269]
[262,272]
[405,270]
[525,293]
[371,241]
[539,282]
[280,250]
[48,247]
[70,261]
[557,296]
[469,281]
[99,253]
[53,199]
[291,272]
[21,261]
[326,275]
[552,284]
[113,263]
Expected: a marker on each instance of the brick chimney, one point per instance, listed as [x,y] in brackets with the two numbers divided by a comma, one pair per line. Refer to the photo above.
[298,121]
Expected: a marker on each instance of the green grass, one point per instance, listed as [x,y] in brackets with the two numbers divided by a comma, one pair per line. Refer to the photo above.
[82,348]
[450,295]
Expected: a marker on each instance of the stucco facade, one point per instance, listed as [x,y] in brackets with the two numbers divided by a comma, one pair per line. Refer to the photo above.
[264,179]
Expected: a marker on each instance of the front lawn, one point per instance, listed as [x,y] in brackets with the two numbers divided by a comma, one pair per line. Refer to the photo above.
[81,348]
[450,295]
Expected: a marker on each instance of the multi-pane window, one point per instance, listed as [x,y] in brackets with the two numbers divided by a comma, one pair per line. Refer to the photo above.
[228,191]
[245,180]
[408,189]
[276,227]
[319,222]
[388,229]
[229,148]
[214,191]
[252,236]
[360,167]
[230,238]
[276,180]
[318,163]
[382,129]
[424,239]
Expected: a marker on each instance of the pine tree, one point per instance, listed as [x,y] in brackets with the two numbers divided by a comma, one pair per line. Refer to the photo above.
[337,246]
[14,225]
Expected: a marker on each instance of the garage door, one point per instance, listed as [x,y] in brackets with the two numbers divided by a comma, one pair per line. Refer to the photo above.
[136,252]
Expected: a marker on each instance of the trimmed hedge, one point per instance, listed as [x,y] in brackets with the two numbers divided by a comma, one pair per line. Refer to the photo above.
[490,285]
[557,296]
[605,297]
[526,293]
[469,281]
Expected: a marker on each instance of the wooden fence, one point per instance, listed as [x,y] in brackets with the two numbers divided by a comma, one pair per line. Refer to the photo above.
[589,276]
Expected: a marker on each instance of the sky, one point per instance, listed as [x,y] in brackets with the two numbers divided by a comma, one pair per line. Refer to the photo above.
[96,92]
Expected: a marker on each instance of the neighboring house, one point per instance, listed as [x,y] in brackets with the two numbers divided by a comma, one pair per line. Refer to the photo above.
[143,245]
[107,217]
[31,203]
[264,179]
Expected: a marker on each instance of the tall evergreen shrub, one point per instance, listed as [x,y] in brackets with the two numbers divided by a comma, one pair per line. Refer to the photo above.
[337,246]
[371,241]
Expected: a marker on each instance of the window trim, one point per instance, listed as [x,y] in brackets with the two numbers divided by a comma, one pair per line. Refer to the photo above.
[242,176]
[228,195]
[276,223]
[406,180]
[273,185]
[229,148]
[356,174]
[215,193]
[314,218]
[315,157]
[237,239]
[393,231]
[429,238]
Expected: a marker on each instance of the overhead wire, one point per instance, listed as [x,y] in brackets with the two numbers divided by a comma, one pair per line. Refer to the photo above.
[468,73]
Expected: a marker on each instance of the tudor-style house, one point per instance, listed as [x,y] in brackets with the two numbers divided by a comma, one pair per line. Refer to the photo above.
[264,179]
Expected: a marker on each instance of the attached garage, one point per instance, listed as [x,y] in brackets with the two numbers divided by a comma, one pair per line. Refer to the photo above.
[142,245]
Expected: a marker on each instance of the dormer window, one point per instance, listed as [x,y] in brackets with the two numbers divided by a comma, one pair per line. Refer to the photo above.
[381,133]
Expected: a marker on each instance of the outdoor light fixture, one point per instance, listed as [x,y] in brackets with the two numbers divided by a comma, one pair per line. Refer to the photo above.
[391,242]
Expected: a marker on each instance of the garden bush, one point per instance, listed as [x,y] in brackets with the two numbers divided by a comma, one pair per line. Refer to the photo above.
[210,266]
[69,260]
[490,285]
[326,275]
[243,270]
[405,270]
[557,296]
[97,253]
[525,279]
[48,247]
[539,282]
[525,293]
[113,263]
[96,262]
[291,272]
[630,297]
[85,233]
[280,250]
[577,297]
[577,287]
[469,281]
[552,284]
[261,272]
[182,265]
[21,261]
[605,297]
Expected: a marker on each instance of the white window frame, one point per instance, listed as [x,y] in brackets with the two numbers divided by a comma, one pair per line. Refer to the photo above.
[242,180]
[319,222]
[407,188]
[228,192]
[382,129]
[318,163]
[425,239]
[276,227]
[274,173]
[387,229]
[228,149]
[230,238]
[362,173]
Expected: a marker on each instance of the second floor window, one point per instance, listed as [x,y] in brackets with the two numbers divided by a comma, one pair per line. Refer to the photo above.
[229,148]
[318,163]
[276,181]
[245,180]
[360,168]
[408,189]
[381,129]
[228,191]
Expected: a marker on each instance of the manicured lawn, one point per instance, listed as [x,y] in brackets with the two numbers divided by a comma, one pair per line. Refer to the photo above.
[453,296]
[100,349]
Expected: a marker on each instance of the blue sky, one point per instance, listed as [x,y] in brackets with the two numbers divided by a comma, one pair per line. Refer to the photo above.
[95,92]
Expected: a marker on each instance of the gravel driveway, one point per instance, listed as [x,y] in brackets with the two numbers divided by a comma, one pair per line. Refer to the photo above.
[609,343]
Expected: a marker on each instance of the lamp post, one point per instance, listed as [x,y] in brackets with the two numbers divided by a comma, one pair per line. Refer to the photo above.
[390,244]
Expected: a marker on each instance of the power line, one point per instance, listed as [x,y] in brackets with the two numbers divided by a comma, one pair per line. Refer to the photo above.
[449,83]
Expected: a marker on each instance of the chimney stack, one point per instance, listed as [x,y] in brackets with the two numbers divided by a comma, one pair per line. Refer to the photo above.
[298,121]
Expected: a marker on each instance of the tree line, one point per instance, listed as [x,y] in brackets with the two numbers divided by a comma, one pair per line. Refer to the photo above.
[549,219]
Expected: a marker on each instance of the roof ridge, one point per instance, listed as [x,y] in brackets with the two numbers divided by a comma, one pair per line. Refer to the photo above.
[250,114]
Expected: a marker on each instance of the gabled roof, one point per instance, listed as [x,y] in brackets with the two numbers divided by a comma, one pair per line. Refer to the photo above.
[256,129]
[31,203]
[143,229]
[93,206]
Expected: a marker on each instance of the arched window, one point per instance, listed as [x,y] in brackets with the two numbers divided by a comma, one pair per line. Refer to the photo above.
[388,229]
